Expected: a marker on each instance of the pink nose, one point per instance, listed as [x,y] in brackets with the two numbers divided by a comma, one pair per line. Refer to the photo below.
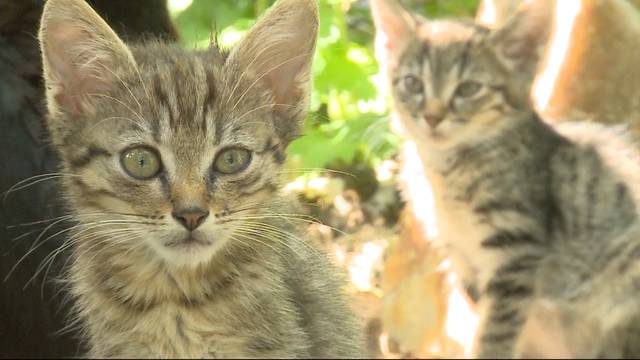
[190,218]
[433,120]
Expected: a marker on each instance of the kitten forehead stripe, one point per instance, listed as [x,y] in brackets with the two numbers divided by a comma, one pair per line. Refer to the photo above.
[163,108]
[92,152]
[209,98]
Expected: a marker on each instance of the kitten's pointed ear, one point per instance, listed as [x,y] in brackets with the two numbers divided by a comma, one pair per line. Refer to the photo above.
[80,54]
[394,27]
[279,50]
[520,42]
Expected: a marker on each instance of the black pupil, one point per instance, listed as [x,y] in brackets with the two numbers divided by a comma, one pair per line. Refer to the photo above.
[141,160]
[230,159]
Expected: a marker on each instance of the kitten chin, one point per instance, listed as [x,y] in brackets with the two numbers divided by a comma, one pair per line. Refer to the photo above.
[190,254]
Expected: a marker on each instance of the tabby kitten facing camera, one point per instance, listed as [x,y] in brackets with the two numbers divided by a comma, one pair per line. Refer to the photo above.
[543,220]
[184,246]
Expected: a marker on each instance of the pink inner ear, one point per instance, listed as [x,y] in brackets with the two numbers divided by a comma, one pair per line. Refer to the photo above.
[64,75]
[282,79]
[392,20]
[58,41]
[285,52]
[293,61]
[517,50]
[525,32]
[387,43]
[278,50]
[74,65]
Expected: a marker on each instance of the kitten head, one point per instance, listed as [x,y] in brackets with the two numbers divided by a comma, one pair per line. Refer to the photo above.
[168,149]
[452,80]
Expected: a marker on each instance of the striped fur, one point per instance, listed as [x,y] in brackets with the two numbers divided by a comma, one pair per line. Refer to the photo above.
[535,216]
[252,287]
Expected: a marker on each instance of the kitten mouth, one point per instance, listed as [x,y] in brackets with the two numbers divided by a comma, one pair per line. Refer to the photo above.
[435,134]
[188,241]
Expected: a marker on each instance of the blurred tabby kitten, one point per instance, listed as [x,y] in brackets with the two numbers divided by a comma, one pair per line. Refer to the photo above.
[184,246]
[543,220]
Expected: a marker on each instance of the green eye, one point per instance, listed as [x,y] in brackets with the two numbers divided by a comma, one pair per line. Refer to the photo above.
[468,89]
[232,161]
[141,163]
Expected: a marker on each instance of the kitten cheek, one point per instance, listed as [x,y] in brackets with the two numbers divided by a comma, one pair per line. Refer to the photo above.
[409,125]
[487,117]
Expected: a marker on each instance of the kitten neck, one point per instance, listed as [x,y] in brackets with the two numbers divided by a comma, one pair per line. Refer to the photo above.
[142,280]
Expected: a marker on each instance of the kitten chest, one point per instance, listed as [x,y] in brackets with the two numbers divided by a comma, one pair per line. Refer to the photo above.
[233,326]
[170,331]
[461,232]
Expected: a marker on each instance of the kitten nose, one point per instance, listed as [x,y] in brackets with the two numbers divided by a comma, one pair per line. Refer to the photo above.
[190,218]
[434,112]
[433,119]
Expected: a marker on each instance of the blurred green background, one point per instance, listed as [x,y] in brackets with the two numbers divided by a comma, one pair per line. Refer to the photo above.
[347,124]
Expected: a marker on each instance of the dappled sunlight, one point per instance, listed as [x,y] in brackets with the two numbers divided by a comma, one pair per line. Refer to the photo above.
[566,11]
[362,265]
[419,189]
[176,6]
[487,13]
[462,320]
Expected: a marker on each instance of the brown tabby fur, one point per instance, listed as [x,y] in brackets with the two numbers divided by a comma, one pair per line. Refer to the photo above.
[249,286]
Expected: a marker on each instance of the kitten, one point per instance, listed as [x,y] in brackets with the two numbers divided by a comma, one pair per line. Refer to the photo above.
[184,246]
[537,217]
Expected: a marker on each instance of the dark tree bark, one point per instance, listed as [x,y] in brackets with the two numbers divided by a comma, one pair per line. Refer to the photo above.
[30,316]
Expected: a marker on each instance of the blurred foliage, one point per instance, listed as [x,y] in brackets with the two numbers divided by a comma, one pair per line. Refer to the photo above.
[347,122]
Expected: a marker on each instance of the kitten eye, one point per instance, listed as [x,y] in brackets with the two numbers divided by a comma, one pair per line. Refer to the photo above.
[413,84]
[468,89]
[232,161]
[141,162]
